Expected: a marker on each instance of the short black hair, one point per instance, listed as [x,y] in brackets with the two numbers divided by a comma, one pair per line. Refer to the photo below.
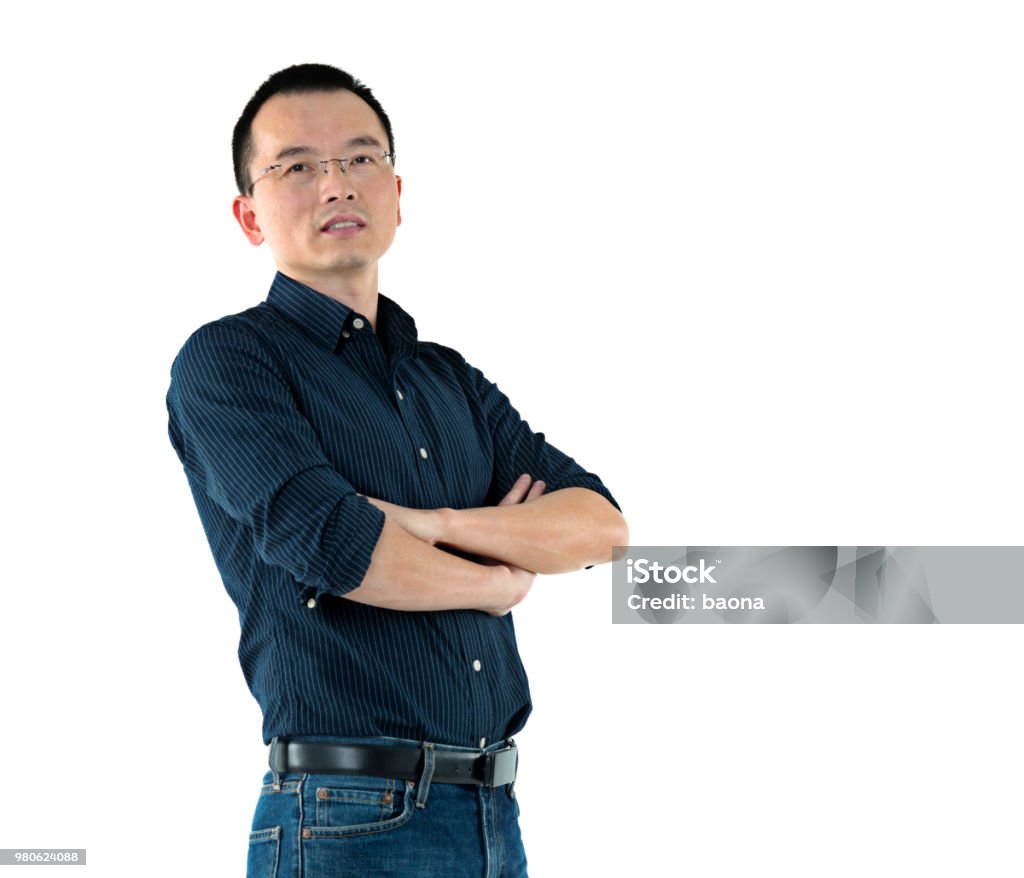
[298,79]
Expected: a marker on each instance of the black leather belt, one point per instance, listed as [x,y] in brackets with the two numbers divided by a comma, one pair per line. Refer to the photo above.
[494,769]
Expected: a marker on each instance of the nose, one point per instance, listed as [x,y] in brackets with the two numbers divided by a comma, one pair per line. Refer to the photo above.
[335,183]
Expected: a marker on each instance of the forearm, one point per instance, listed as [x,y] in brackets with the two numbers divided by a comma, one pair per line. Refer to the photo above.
[406,573]
[555,533]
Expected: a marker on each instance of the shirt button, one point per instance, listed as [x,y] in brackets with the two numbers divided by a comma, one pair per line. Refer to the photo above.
[476,664]
[483,743]
[311,603]
[423,453]
[345,333]
[358,323]
[400,396]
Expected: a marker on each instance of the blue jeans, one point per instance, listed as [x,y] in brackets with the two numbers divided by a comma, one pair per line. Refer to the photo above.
[335,826]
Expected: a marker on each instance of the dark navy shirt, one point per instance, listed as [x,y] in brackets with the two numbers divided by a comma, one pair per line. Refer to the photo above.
[283,416]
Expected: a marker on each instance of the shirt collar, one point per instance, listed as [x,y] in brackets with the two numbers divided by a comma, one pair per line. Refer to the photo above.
[324,318]
[321,316]
[397,330]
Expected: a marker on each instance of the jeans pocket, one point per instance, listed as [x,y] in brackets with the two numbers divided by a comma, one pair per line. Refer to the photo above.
[264,847]
[352,806]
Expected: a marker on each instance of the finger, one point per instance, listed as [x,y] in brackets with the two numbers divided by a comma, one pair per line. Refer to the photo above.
[536,489]
[517,492]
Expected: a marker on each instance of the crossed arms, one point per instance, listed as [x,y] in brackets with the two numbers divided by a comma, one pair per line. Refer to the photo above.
[528,532]
[262,477]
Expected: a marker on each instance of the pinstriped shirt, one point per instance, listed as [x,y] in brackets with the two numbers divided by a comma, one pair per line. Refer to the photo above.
[283,416]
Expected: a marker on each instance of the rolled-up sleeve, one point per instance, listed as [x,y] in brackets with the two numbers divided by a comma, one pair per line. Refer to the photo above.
[518,449]
[246,447]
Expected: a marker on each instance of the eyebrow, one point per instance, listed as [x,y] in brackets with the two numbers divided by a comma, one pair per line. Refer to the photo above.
[363,140]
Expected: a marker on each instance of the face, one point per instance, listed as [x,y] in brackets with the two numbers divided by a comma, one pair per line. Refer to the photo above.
[332,231]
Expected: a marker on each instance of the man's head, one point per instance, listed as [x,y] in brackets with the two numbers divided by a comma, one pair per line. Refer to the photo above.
[300,79]
[314,165]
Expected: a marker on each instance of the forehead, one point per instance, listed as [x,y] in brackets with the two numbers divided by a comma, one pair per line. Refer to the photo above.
[320,120]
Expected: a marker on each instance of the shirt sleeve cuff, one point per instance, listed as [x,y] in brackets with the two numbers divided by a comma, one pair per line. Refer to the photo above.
[588,481]
[356,527]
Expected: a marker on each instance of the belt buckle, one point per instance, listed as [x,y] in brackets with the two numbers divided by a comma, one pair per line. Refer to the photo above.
[500,767]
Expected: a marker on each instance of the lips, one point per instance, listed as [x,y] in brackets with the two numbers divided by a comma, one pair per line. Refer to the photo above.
[342,222]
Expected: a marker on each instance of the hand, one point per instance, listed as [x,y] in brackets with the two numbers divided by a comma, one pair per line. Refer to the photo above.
[523,491]
[512,590]
[506,585]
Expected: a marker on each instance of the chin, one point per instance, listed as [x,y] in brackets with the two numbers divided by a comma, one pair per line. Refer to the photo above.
[349,263]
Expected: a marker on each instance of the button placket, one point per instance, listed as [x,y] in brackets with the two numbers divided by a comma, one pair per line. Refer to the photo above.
[476,667]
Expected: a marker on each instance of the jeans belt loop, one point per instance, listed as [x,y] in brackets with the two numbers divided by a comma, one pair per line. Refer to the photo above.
[425,775]
[512,786]
[274,744]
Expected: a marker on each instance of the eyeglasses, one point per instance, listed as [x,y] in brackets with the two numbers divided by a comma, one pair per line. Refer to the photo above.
[305,171]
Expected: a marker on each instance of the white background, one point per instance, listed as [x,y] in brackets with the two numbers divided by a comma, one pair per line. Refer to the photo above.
[757,264]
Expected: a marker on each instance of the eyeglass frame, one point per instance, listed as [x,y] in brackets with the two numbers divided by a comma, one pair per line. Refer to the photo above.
[388,156]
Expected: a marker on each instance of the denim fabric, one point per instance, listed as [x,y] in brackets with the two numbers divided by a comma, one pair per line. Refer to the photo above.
[336,826]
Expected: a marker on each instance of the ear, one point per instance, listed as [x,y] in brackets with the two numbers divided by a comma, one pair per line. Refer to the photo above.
[242,208]
[398,183]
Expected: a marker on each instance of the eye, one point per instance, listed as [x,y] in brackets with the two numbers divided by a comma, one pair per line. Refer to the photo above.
[363,159]
[299,169]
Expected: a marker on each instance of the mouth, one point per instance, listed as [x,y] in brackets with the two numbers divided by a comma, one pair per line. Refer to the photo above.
[343,223]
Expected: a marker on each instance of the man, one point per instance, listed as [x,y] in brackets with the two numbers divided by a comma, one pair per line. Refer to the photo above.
[375,507]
